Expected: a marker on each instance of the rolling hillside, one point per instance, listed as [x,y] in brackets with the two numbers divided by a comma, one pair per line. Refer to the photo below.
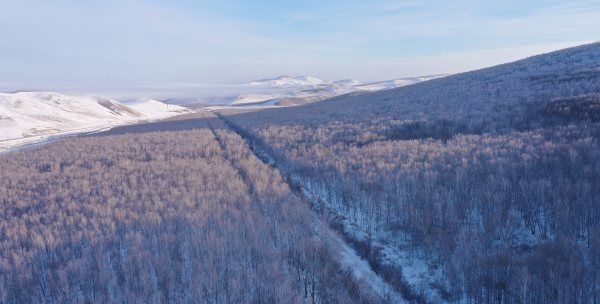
[27,116]
[493,98]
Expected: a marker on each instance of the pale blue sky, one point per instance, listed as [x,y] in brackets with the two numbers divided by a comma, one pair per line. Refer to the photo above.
[44,43]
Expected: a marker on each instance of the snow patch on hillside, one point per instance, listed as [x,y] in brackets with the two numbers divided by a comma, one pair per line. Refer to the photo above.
[395,83]
[245,99]
[156,109]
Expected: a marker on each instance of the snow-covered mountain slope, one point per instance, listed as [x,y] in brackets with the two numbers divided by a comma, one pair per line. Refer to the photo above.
[306,89]
[156,109]
[395,83]
[30,116]
[287,81]
[34,113]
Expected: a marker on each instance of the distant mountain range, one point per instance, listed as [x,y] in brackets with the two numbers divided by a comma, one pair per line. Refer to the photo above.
[287,90]
[32,116]
[287,81]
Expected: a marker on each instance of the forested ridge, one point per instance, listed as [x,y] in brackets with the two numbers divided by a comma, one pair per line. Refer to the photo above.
[478,187]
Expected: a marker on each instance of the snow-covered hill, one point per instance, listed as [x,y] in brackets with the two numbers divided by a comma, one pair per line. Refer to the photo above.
[287,81]
[305,89]
[32,116]
[395,83]
[155,109]
[247,99]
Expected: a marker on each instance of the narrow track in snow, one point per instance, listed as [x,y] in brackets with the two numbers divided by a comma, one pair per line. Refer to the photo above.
[348,255]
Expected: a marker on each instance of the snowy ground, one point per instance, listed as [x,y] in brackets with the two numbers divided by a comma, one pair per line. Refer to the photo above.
[396,250]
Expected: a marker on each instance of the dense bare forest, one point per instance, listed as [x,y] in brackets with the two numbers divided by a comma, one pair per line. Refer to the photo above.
[478,187]
[162,217]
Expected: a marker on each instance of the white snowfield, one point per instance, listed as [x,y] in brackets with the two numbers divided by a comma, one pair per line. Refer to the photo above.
[392,84]
[155,109]
[311,88]
[27,117]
